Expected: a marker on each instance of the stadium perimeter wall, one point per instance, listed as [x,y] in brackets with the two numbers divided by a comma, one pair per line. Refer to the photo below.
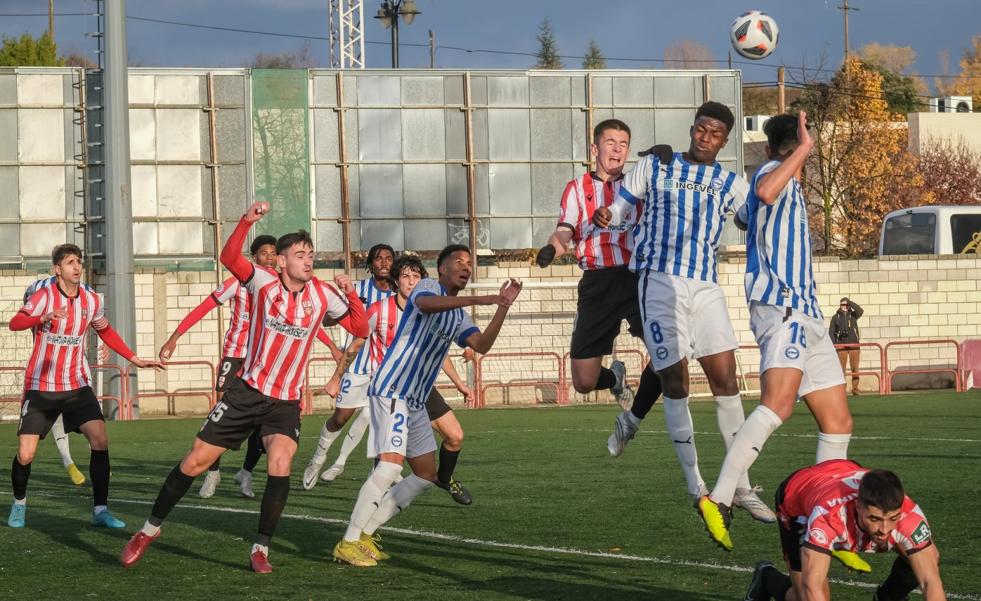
[905,298]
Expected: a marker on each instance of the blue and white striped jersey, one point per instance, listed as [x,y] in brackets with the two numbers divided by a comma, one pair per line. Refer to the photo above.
[684,209]
[779,270]
[44,283]
[369,294]
[422,342]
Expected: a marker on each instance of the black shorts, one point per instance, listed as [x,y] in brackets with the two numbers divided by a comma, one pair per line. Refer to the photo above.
[229,369]
[243,410]
[436,405]
[790,535]
[606,298]
[39,410]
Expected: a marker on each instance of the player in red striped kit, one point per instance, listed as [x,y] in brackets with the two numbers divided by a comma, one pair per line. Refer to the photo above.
[607,292]
[263,251]
[838,509]
[287,310]
[58,380]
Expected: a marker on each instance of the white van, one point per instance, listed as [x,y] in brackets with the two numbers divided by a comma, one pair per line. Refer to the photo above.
[932,230]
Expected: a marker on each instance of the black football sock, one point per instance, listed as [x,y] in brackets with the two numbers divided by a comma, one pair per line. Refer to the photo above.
[447,464]
[648,392]
[99,473]
[273,503]
[253,452]
[19,475]
[606,379]
[899,584]
[776,583]
[174,488]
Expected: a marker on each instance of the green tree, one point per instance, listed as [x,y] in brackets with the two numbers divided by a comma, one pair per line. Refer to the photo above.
[900,91]
[594,58]
[548,48]
[28,51]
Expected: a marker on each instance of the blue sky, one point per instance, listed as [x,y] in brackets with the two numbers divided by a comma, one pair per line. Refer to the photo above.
[811,30]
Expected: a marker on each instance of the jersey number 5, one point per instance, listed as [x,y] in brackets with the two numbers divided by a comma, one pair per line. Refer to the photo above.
[218,411]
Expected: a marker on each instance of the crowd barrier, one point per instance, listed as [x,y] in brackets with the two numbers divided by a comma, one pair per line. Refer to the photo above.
[559,365]
[126,411]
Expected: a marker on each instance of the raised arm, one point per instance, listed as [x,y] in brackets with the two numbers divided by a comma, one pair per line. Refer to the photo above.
[434,303]
[189,321]
[856,309]
[483,341]
[770,185]
[355,320]
[231,253]
[558,242]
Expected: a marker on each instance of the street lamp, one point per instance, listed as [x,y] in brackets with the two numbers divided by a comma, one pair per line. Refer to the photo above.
[389,13]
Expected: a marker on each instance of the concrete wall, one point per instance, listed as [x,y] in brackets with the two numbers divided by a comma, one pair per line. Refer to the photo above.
[926,129]
[904,297]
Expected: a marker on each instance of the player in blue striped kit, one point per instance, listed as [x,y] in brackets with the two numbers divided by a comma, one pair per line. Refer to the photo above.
[798,359]
[400,429]
[351,391]
[685,203]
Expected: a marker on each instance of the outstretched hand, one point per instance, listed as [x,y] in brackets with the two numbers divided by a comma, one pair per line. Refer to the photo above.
[509,291]
[803,136]
[143,363]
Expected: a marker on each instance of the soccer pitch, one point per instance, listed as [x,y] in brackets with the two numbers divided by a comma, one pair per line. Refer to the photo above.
[554,517]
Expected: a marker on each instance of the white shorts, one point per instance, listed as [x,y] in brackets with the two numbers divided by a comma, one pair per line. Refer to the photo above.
[797,341]
[354,391]
[683,318]
[396,429]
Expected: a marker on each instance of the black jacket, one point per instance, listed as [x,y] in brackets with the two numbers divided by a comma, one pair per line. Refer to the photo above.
[844,326]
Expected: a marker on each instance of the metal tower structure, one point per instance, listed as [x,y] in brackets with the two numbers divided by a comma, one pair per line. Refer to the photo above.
[346,20]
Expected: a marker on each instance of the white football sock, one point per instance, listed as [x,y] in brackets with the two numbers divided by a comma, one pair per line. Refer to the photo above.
[370,496]
[150,530]
[832,446]
[633,419]
[61,441]
[745,449]
[729,414]
[677,418]
[354,435]
[327,438]
[397,499]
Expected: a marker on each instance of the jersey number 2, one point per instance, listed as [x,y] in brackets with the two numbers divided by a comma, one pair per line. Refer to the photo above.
[399,422]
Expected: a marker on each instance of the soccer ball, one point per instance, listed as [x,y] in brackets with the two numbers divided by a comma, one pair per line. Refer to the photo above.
[754,34]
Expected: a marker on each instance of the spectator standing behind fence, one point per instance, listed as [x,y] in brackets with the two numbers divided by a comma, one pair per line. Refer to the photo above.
[844,330]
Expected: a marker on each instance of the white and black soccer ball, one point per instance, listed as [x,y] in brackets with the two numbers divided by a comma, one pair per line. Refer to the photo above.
[754,35]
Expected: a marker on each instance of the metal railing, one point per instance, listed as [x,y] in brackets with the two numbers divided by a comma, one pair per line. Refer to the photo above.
[126,411]
[955,370]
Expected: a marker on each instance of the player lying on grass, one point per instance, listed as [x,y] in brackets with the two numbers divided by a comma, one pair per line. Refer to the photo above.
[58,381]
[287,310]
[400,427]
[263,252]
[838,509]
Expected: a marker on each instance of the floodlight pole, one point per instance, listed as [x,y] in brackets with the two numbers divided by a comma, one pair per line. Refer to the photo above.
[121,297]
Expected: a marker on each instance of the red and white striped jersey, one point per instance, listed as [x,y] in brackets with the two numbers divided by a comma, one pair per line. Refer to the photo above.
[821,499]
[58,362]
[596,248]
[239,306]
[383,322]
[282,326]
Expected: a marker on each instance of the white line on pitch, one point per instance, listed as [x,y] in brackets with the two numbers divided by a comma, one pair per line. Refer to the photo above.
[517,546]
[474,431]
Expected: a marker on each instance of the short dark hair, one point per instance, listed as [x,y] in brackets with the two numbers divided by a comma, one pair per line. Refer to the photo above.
[716,110]
[61,251]
[287,240]
[404,262]
[373,253]
[781,133]
[881,489]
[261,241]
[604,125]
[449,250]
